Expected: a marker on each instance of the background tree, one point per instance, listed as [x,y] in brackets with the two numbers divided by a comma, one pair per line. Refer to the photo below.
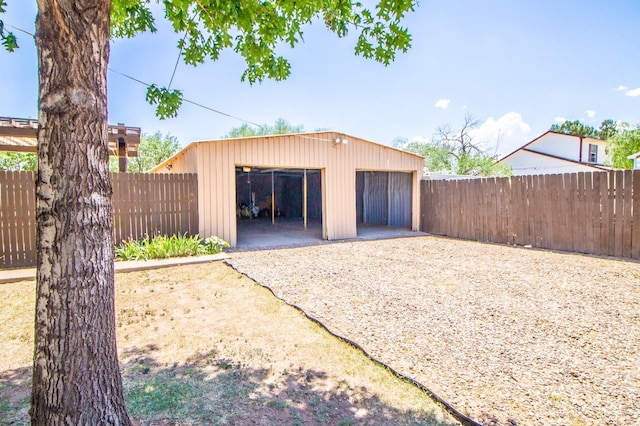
[608,128]
[456,151]
[436,157]
[18,161]
[625,143]
[575,128]
[280,127]
[76,378]
[153,150]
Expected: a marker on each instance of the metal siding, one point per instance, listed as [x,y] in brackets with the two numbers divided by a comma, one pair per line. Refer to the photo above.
[400,196]
[229,196]
[359,192]
[215,163]
[375,198]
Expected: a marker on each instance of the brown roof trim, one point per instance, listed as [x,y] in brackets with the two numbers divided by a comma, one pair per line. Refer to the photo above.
[555,157]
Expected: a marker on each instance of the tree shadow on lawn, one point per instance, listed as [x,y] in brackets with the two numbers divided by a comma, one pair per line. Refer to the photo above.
[209,389]
[15,396]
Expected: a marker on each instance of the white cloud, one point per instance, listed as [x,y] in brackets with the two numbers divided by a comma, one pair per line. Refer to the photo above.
[590,113]
[633,92]
[560,120]
[503,135]
[443,103]
[621,88]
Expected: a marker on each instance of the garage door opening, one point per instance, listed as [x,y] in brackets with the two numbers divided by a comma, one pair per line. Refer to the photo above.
[278,207]
[383,201]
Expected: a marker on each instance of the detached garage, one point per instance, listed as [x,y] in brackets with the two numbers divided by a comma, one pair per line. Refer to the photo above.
[326,183]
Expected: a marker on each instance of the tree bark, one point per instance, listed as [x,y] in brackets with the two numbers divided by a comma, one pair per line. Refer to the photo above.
[76,375]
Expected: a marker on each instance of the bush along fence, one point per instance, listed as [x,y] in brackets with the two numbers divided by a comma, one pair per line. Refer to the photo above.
[143,204]
[595,213]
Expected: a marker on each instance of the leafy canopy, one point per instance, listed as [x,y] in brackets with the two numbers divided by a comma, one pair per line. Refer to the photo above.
[18,161]
[255,28]
[625,143]
[280,127]
[7,38]
[153,150]
[608,129]
[456,151]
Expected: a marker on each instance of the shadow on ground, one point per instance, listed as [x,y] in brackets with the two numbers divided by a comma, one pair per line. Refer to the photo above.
[209,389]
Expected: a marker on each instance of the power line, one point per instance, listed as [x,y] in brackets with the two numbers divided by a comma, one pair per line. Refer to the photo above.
[187,100]
[183,99]
[148,85]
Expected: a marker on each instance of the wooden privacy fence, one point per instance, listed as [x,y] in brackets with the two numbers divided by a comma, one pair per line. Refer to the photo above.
[596,213]
[143,204]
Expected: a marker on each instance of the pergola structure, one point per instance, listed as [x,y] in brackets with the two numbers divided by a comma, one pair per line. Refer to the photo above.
[21,135]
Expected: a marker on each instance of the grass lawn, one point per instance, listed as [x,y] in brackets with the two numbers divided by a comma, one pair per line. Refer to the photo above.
[206,345]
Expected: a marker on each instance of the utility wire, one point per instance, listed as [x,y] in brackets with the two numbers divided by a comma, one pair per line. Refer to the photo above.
[148,85]
[187,100]
[183,99]
[175,68]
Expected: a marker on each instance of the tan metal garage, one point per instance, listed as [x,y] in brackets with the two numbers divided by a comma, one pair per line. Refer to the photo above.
[338,179]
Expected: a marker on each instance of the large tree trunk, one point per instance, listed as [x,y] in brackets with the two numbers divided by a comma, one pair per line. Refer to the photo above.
[76,376]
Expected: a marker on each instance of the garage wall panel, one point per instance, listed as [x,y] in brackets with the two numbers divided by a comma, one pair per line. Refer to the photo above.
[400,196]
[215,163]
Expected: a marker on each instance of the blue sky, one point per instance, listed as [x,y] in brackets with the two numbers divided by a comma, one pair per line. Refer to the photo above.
[517,66]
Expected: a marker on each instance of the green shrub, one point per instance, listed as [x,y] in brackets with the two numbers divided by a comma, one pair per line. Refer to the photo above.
[162,246]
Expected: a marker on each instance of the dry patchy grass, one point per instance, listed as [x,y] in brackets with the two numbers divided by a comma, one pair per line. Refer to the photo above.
[206,345]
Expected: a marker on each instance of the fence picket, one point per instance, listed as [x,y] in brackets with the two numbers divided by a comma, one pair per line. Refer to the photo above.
[596,213]
[142,204]
[635,220]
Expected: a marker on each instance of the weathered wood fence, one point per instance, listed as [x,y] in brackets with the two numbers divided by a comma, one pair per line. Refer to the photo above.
[596,213]
[143,204]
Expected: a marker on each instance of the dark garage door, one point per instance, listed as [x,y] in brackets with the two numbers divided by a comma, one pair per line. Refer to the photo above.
[384,198]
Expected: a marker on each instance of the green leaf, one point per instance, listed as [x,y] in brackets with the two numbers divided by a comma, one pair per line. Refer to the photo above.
[129,17]
[167,101]
[257,29]
[7,38]
[9,41]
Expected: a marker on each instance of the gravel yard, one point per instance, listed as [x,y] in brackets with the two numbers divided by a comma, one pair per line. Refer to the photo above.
[507,335]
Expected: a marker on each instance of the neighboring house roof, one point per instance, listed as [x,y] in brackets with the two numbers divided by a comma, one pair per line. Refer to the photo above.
[523,147]
[555,157]
[636,160]
[634,156]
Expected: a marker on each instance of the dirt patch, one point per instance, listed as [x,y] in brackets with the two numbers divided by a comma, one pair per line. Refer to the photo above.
[205,345]
[507,335]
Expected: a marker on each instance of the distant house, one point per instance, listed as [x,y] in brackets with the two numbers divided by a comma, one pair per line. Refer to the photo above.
[554,152]
[636,160]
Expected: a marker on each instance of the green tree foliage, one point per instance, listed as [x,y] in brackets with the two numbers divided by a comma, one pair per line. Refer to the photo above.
[625,143]
[18,161]
[280,127]
[455,151]
[575,128]
[7,38]
[153,150]
[436,157]
[255,28]
[608,128]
